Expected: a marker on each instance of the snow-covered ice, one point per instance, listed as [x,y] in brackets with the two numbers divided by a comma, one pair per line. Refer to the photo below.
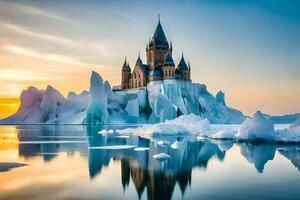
[158,102]
[181,126]
[224,134]
[292,134]
[113,147]
[257,128]
[141,149]
[161,156]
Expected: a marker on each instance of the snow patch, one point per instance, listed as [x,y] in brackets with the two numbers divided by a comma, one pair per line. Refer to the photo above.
[181,126]
[161,156]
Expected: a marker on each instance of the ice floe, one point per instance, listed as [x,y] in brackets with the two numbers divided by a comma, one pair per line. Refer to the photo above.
[161,156]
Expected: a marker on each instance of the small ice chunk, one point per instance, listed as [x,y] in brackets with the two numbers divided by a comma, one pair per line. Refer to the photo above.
[141,149]
[161,142]
[113,147]
[103,132]
[161,156]
[110,131]
[176,145]
[123,136]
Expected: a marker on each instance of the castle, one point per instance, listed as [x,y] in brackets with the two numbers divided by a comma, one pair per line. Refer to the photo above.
[160,64]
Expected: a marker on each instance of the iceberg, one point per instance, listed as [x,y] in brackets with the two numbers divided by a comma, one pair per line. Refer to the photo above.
[97,112]
[257,128]
[292,134]
[29,111]
[158,102]
[49,106]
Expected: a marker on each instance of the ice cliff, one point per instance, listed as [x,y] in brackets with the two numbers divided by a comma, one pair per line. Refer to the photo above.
[158,102]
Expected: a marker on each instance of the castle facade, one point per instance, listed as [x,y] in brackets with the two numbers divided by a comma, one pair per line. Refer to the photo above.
[159,66]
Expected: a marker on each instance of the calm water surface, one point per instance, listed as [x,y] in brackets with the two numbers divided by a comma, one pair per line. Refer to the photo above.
[75,162]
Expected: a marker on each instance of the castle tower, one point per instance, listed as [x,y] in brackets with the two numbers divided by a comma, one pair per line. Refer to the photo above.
[183,69]
[126,71]
[169,67]
[157,48]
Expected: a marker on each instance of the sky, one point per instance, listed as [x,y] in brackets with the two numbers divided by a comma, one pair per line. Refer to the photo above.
[249,49]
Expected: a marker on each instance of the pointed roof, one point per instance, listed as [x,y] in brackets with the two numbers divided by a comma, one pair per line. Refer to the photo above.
[125,63]
[139,61]
[182,64]
[159,36]
[126,66]
[169,60]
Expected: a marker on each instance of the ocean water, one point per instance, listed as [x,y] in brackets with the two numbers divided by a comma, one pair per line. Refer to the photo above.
[76,162]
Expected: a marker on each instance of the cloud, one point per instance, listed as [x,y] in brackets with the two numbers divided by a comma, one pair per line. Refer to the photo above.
[16,7]
[20,75]
[50,38]
[127,17]
[45,56]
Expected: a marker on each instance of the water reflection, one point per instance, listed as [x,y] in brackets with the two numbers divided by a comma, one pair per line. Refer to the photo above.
[258,154]
[153,178]
[159,177]
[292,153]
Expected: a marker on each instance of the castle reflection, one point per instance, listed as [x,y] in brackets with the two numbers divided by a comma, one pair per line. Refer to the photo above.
[151,177]
[157,177]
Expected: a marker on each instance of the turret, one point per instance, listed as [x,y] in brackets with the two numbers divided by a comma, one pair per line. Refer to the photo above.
[183,68]
[169,67]
[126,71]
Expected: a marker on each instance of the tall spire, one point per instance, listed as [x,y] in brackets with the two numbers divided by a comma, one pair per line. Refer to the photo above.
[159,36]
[125,63]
